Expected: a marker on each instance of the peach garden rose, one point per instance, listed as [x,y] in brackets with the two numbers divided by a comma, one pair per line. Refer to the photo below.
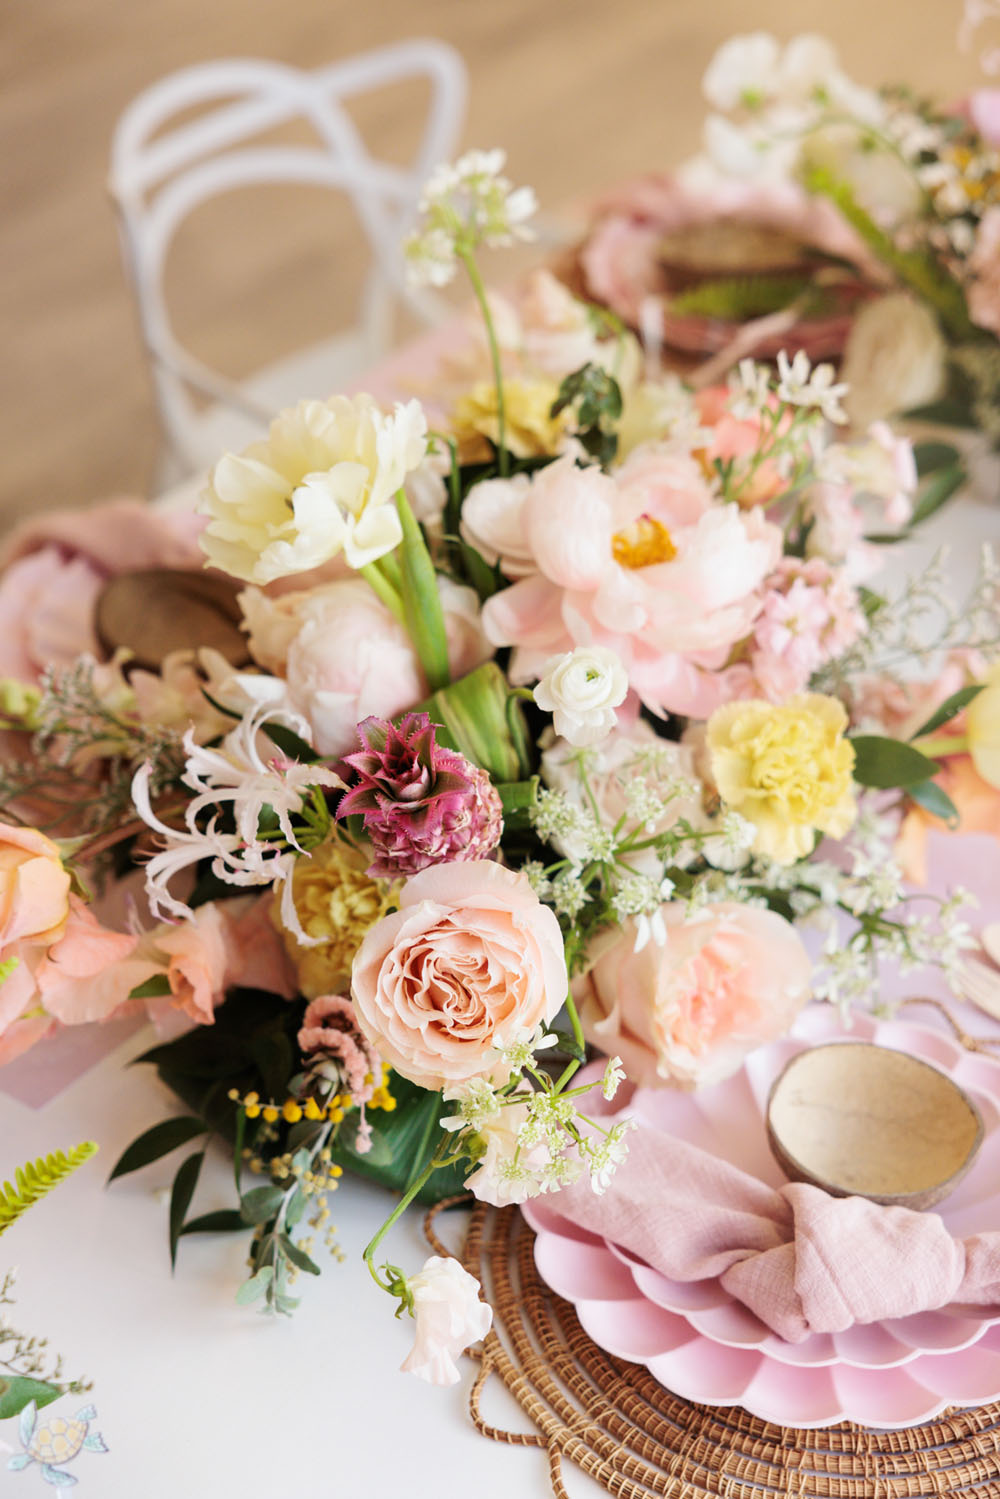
[687,1013]
[471,959]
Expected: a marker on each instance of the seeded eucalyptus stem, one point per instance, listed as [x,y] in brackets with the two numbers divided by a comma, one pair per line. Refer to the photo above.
[476,280]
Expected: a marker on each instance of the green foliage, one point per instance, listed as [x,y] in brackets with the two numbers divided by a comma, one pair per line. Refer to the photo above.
[35,1178]
[737,299]
[19,1391]
[481,718]
[949,709]
[595,397]
[158,1141]
[884,763]
[421,599]
[403,1141]
[930,796]
[153,988]
[180,1197]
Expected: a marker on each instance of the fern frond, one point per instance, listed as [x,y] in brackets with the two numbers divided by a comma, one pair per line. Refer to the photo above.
[35,1178]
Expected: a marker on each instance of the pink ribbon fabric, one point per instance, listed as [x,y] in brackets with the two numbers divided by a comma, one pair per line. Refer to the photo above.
[803,1261]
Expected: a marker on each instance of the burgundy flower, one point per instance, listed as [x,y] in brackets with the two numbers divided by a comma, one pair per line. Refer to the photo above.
[422,804]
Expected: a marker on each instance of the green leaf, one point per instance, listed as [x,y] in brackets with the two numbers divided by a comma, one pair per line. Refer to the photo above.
[153,988]
[398,1135]
[568,1044]
[517,797]
[930,456]
[481,718]
[156,1142]
[253,1289]
[936,491]
[949,709]
[224,1221]
[297,1205]
[19,1391]
[885,763]
[260,1203]
[290,743]
[933,799]
[180,1197]
[298,1256]
[273,1054]
[950,412]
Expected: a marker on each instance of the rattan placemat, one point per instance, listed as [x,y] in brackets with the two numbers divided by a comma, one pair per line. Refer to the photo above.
[614,1421]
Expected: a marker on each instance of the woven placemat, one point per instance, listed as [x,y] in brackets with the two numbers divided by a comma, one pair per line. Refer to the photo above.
[614,1421]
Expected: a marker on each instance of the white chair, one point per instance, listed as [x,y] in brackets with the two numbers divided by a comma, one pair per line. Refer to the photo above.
[161,171]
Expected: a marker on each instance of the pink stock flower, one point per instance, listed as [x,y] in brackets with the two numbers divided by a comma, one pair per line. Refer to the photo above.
[421,804]
[810,615]
[645,563]
[687,1013]
[470,959]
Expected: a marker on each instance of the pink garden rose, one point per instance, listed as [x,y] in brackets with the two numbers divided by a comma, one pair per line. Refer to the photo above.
[687,1013]
[346,657]
[470,959]
[645,563]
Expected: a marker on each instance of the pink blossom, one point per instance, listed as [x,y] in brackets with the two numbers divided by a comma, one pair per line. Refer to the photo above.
[346,657]
[646,564]
[471,957]
[687,1013]
[838,532]
[810,615]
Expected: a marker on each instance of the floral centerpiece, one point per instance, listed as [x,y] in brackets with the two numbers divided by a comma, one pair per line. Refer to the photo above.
[560,724]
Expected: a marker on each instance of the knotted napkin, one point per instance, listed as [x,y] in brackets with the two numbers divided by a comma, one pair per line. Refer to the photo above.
[803,1261]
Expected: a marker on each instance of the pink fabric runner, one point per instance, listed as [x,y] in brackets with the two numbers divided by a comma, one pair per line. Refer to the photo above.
[803,1261]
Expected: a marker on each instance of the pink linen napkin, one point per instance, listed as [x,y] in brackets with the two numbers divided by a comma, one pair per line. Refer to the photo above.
[803,1261]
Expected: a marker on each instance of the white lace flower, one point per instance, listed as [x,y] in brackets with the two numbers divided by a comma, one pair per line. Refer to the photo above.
[581,689]
[322,484]
[465,205]
[450,1315]
[745,71]
[614,1073]
[801,385]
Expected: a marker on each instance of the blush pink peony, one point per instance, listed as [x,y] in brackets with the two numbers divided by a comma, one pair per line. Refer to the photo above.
[645,563]
[687,1013]
[470,959]
[347,658]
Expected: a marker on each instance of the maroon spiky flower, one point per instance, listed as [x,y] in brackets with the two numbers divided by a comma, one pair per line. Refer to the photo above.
[422,804]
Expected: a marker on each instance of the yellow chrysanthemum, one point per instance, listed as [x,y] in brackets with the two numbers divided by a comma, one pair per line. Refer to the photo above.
[787,769]
[531,431]
[336,900]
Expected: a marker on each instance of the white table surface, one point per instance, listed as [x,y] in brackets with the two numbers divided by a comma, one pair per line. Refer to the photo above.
[198,1398]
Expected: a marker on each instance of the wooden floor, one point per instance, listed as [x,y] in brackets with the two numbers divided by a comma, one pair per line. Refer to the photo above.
[581,92]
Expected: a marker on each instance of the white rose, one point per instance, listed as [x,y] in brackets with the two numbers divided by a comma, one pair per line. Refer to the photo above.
[894,360]
[449,1316]
[582,689]
[322,483]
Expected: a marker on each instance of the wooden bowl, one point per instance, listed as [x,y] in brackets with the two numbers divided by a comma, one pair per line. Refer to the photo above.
[861,1120]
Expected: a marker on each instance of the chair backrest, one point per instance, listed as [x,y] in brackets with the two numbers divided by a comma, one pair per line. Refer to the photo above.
[160,173]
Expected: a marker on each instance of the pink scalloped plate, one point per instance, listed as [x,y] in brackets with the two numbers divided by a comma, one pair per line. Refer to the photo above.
[704,1345]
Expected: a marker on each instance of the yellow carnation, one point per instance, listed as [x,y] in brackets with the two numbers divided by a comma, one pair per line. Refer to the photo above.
[336,900]
[787,769]
[531,431]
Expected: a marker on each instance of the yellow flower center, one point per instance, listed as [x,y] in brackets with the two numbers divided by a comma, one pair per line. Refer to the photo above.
[643,544]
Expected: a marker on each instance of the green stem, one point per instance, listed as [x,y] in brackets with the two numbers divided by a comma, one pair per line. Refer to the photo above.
[574,1066]
[436,1160]
[476,280]
[936,745]
[421,601]
[379,583]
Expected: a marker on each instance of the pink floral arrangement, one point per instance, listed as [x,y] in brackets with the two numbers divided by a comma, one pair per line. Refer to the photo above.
[531,732]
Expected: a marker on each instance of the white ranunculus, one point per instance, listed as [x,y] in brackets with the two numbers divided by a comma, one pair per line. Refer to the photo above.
[894,360]
[322,483]
[449,1316]
[582,689]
